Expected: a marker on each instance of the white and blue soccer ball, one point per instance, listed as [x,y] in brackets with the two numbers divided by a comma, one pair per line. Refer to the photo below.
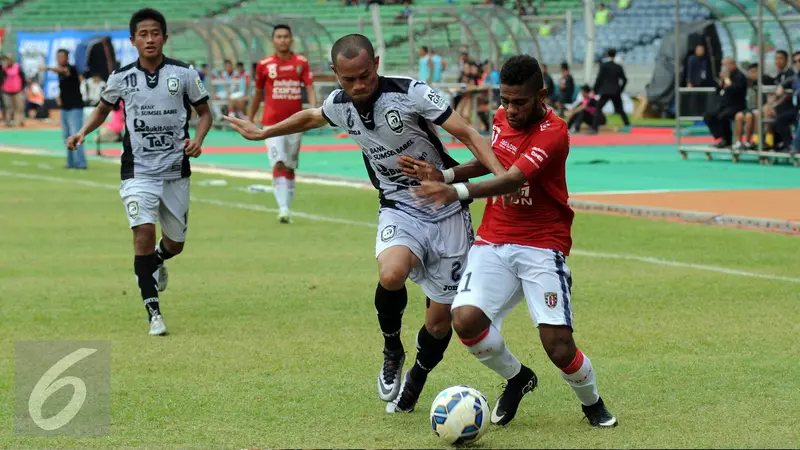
[460,415]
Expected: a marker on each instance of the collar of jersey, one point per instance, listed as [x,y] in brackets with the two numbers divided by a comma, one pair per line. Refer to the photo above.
[139,66]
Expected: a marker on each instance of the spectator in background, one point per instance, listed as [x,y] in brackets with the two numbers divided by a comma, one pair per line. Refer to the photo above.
[203,71]
[34,100]
[791,115]
[602,15]
[13,95]
[112,131]
[528,10]
[550,85]
[733,98]
[91,88]
[609,85]
[698,74]
[782,66]
[438,66]
[425,65]
[584,112]
[237,103]
[403,15]
[71,103]
[743,137]
[623,4]
[545,29]
[566,89]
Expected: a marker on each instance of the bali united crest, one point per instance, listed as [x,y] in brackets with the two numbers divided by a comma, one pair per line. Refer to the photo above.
[550,299]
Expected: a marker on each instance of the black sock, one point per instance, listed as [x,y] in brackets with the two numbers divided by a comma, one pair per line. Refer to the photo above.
[145,267]
[430,352]
[162,251]
[390,306]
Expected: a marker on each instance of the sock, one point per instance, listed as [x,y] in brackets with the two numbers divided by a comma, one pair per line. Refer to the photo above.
[390,306]
[430,352]
[289,189]
[162,252]
[146,270]
[580,375]
[281,190]
[490,349]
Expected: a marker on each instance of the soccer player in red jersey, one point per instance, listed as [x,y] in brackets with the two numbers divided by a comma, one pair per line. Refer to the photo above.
[278,81]
[522,243]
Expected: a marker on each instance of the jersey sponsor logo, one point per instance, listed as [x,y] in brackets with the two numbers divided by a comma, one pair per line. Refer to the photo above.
[150,110]
[450,288]
[173,85]
[395,121]
[436,99]
[380,152]
[395,176]
[538,153]
[551,299]
[388,232]
[157,138]
[508,146]
[544,125]
[286,90]
[200,86]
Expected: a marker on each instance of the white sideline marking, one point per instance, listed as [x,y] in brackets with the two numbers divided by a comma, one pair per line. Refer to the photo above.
[260,208]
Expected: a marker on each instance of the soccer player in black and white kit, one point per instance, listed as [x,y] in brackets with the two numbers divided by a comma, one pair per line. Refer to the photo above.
[158,94]
[390,117]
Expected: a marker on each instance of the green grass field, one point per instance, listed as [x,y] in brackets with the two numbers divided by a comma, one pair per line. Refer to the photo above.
[274,340]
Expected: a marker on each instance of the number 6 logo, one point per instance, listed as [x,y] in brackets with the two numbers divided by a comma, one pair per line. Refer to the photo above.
[50,383]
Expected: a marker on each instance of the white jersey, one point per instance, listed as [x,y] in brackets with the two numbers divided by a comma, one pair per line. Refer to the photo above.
[398,121]
[157,113]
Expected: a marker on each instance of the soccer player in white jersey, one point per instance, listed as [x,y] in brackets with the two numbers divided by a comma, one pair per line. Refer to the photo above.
[390,117]
[158,94]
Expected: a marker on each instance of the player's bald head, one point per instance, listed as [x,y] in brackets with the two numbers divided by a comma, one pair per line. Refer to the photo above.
[351,46]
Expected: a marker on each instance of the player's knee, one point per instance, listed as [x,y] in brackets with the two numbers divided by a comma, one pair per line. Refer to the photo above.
[392,277]
[438,323]
[144,238]
[558,343]
[469,322]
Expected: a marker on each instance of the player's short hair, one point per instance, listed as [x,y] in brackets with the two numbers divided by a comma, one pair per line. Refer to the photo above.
[240,64]
[351,46]
[782,52]
[564,66]
[795,54]
[63,50]
[148,14]
[281,26]
[522,69]
[612,52]
[752,66]
[424,48]
[586,88]
[228,61]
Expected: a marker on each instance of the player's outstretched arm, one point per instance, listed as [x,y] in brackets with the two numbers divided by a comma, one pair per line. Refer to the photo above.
[305,120]
[425,171]
[443,194]
[97,118]
[456,126]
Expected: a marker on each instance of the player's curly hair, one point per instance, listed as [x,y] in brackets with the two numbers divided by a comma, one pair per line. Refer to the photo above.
[522,69]
[148,14]
[350,46]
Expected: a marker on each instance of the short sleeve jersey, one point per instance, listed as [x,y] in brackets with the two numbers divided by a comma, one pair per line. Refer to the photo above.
[158,107]
[282,81]
[399,120]
[541,217]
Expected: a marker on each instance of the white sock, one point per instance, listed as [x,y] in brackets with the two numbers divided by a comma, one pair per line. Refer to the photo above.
[580,375]
[491,350]
[290,193]
[281,190]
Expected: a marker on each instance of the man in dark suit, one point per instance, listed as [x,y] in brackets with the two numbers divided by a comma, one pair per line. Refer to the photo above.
[733,98]
[609,85]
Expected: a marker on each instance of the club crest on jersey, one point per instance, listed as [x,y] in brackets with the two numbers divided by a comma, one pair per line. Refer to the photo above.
[299,69]
[394,121]
[388,232]
[550,299]
[133,209]
[173,85]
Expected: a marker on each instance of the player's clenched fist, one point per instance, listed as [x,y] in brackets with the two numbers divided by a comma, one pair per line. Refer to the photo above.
[74,141]
[192,148]
[439,194]
[419,169]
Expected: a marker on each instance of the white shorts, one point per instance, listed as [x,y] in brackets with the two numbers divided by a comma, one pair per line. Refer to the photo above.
[497,278]
[284,149]
[441,247]
[152,201]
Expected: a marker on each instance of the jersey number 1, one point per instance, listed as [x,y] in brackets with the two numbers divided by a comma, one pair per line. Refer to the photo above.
[131,80]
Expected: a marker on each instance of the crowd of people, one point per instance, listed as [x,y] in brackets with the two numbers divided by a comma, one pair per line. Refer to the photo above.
[739,104]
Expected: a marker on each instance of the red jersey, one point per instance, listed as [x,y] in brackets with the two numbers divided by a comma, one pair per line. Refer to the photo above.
[281,80]
[541,217]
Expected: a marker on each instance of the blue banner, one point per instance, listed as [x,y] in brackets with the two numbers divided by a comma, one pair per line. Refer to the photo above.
[38,49]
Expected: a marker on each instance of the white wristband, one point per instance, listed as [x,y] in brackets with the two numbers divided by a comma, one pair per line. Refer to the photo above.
[463,192]
[449,175]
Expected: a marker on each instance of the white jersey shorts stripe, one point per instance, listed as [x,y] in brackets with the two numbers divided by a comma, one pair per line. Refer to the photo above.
[498,277]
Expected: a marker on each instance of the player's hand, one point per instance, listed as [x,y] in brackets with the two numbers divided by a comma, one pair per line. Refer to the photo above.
[419,169]
[74,141]
[248,130]
[509,199]
[434,192]
[192,148]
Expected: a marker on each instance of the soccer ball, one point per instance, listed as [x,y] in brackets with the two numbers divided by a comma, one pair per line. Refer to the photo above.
[460,415]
